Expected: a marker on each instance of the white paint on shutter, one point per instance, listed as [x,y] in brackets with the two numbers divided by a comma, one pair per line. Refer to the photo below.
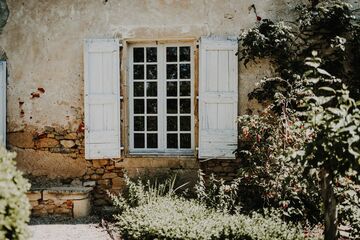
[102,98]
[2,103]
[218,98]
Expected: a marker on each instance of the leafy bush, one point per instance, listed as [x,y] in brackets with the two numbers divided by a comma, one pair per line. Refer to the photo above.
[216,194]
[348,196]
[176,218]
[14,205]
[141,191]
[331,27]
[267,178]
[333,151]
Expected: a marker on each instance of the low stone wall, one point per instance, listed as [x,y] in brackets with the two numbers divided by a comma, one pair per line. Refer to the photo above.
[66,201]
[104,175]
[222,168]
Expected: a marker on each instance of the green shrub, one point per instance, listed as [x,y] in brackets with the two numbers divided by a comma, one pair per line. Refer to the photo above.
[266,178]
[216,194]
[141,191]
[14,205]
[176,218]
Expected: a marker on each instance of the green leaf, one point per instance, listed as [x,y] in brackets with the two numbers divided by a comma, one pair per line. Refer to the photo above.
[323,72]
[328,89]
[312,64]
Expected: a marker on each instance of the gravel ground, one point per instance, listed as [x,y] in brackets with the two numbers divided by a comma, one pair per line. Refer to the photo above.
[60,228]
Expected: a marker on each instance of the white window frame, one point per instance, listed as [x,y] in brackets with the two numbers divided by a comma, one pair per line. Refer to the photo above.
[161,97]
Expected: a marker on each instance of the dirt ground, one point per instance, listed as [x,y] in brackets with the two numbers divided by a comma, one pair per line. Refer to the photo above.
[56,228]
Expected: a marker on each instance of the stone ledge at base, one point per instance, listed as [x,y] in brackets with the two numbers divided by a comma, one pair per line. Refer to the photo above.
[69,201]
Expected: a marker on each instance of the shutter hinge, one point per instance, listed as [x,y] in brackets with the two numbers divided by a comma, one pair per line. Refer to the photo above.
[121,97]
[197,97]
[120,45]
[121,148]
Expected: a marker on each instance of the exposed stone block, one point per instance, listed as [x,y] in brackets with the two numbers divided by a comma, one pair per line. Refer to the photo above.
[49,129]
[34,195]
[89,184]
[110,167]
[21,139]
[100,163]
[39,212]
[118,183]
[109,175]
[46,143]
[67,143]
[34,204]
[95,177]
[104,183]
[70,136]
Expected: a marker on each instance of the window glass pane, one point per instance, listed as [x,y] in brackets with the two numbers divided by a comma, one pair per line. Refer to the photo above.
[171,123]
[171,89]
[185,123]
[139,123]
[151,89]
[151,106]
[138,72]
[184,54]
[138,54]
[185,140]
[185,71]
[138,89]
[139,106]
[185,106]
[185,88]
[151,123]
[151,71]
[172,140]
[151,54]
[171,71]
[152,140]
[171,106]
[139,140]
[171,54]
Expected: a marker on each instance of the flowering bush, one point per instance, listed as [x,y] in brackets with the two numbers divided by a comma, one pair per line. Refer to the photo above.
[14,205]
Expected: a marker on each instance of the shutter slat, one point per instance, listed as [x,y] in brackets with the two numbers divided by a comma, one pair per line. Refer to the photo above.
[3,103]
[218,98]
[102,99]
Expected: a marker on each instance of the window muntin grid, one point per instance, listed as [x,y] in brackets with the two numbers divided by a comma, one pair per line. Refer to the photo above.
[161,99]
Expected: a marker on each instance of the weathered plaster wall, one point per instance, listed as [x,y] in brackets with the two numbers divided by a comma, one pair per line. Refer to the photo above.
[43,41]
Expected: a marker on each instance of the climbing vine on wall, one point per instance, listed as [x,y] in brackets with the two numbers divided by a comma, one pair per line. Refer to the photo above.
[4,14]
[331,27]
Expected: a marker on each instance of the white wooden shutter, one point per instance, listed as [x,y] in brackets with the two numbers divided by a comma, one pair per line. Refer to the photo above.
[102,98]
[218,98]
[3,103]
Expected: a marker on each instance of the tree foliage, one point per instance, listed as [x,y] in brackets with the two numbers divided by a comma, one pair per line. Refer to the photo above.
[330,27]
[318,100]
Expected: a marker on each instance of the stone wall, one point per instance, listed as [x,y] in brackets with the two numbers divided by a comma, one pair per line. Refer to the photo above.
[222,168]
[43,41]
